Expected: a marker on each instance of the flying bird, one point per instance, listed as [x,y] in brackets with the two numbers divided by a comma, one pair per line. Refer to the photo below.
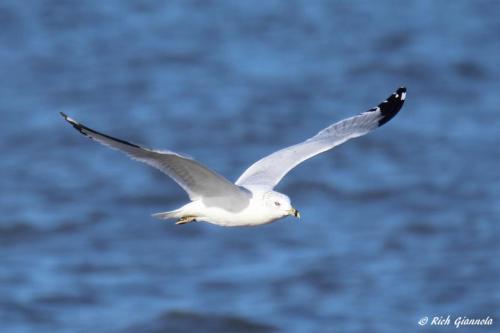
[251,200]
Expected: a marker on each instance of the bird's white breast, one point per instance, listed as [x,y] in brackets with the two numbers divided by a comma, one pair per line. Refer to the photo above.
[254,214]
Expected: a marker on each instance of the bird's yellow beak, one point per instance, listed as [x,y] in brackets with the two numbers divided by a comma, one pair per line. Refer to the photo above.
[295,213]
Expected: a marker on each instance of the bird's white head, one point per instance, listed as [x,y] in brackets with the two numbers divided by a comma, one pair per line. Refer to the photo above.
[279,205]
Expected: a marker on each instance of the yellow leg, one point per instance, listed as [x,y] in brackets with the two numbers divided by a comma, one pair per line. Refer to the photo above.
[186,219]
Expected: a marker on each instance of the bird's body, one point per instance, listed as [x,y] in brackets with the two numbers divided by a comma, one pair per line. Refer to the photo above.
[257,211]
[251,200]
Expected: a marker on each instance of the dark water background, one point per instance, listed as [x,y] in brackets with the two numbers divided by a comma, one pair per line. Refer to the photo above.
[400,224]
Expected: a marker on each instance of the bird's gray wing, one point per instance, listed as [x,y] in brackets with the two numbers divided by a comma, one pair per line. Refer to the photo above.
[268,171]
[197,180]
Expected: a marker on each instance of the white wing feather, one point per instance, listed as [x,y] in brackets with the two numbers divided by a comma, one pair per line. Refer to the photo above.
[197,180]
[268,171]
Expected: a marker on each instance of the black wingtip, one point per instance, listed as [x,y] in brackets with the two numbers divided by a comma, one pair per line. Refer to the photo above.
[83,129]
[391,107]
[73,123]
[67,118]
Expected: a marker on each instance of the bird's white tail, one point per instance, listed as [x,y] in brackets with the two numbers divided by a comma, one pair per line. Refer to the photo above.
[174,214]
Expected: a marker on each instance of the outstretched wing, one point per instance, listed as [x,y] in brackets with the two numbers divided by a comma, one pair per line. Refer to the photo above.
[268,171]
[197,180]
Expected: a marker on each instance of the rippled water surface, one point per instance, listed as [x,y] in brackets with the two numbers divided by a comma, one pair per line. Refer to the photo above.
[397,225]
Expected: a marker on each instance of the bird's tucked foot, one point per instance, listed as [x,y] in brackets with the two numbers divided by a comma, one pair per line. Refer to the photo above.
[186,219]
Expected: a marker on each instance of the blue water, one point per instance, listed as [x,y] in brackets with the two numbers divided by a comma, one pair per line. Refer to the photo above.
[397,225]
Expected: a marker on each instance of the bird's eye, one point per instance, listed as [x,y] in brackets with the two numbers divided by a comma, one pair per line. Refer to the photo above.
[276,203]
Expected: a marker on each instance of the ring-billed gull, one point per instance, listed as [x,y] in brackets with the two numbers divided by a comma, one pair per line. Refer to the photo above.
[250,200]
